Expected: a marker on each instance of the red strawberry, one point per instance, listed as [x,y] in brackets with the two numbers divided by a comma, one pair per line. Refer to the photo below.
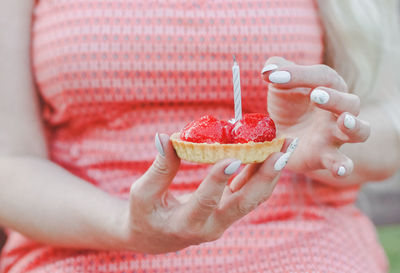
[226,131]
[207,130]
[254,127]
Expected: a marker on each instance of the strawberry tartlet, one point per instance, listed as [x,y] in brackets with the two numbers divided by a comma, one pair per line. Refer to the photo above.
[208,140]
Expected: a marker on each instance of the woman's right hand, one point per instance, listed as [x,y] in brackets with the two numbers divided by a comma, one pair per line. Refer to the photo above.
[158,222]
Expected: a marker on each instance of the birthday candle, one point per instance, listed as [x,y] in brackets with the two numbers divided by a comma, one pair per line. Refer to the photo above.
[236,90]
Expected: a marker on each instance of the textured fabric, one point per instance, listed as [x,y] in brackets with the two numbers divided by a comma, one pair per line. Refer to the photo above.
[113,73]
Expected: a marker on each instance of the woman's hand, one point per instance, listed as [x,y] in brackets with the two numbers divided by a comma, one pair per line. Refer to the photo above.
[313,104]
[158,222]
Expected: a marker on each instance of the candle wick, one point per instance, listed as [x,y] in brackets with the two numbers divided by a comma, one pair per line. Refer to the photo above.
[234,58]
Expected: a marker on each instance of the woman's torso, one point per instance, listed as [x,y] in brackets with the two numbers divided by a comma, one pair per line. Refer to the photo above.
[113,73]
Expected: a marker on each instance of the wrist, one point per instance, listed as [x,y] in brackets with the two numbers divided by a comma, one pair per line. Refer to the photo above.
[118,232]
[110,230]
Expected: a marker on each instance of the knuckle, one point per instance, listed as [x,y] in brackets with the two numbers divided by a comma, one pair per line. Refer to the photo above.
[206,202]
[368,129]
[244,208]
[160,167]
[331,77]
[356,104]
[267,174]
[334,79]
[274,59]
[357,101]
[217,176]
[265,197]
[277,60]
[363,138]
[365,132]
[343,84]
[325,70]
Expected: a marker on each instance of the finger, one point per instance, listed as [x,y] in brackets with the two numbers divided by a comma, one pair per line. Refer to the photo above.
[257,189]
[290,144]
[353,129]
[272,64]
[237,183]
[335,101]
[241,178]
[337,163]
[293,76]
[159,176]
[207,196]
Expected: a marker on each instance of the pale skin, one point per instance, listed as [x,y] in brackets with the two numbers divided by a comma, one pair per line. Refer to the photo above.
[322,130]
[45,202]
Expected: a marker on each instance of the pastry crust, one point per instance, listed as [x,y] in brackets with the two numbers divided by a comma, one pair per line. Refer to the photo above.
[251,152]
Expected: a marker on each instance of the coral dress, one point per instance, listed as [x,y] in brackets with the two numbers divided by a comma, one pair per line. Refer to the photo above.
[113,73]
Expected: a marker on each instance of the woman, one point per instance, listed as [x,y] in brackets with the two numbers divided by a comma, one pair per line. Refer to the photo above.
[112,74]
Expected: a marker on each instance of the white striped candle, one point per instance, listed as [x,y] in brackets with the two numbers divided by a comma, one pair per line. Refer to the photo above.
[236,90]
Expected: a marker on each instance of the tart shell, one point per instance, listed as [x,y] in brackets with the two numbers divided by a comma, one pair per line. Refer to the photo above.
[251,152]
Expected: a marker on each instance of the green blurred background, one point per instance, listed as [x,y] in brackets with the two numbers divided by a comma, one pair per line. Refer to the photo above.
[381,202]
[390,238]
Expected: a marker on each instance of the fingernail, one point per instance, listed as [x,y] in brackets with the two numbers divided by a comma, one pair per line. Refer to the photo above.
[233,167]
[158,144]
[282,161]
[269,67]
[279,77]
[293,145]
[341,171]
[349,122]
[319,96]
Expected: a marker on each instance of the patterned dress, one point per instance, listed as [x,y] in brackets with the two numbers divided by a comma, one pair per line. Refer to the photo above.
[112,73]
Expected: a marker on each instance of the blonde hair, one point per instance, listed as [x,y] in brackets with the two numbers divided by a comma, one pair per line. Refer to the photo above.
[362,40]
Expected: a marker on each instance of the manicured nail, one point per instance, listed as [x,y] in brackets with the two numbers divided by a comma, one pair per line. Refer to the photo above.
[269,67]
[233,167]
[341,171]
[293,145]
[349,122]
[282,161]
[319,96]
[280,77]
[158,144]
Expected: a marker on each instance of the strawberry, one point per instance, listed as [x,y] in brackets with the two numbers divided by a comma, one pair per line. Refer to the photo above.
[207,129]
[254,127]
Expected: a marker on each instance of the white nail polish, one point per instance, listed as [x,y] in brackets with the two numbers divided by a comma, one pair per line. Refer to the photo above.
[293,145]
[233,167]
[349,122]
[280,77]
[158,144]
[282,161]
[319,96]
[341,171]
[269,67]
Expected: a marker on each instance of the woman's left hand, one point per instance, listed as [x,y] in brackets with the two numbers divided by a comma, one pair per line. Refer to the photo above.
[313,104]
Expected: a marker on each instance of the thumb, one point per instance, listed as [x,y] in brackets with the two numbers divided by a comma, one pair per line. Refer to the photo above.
[156,180]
